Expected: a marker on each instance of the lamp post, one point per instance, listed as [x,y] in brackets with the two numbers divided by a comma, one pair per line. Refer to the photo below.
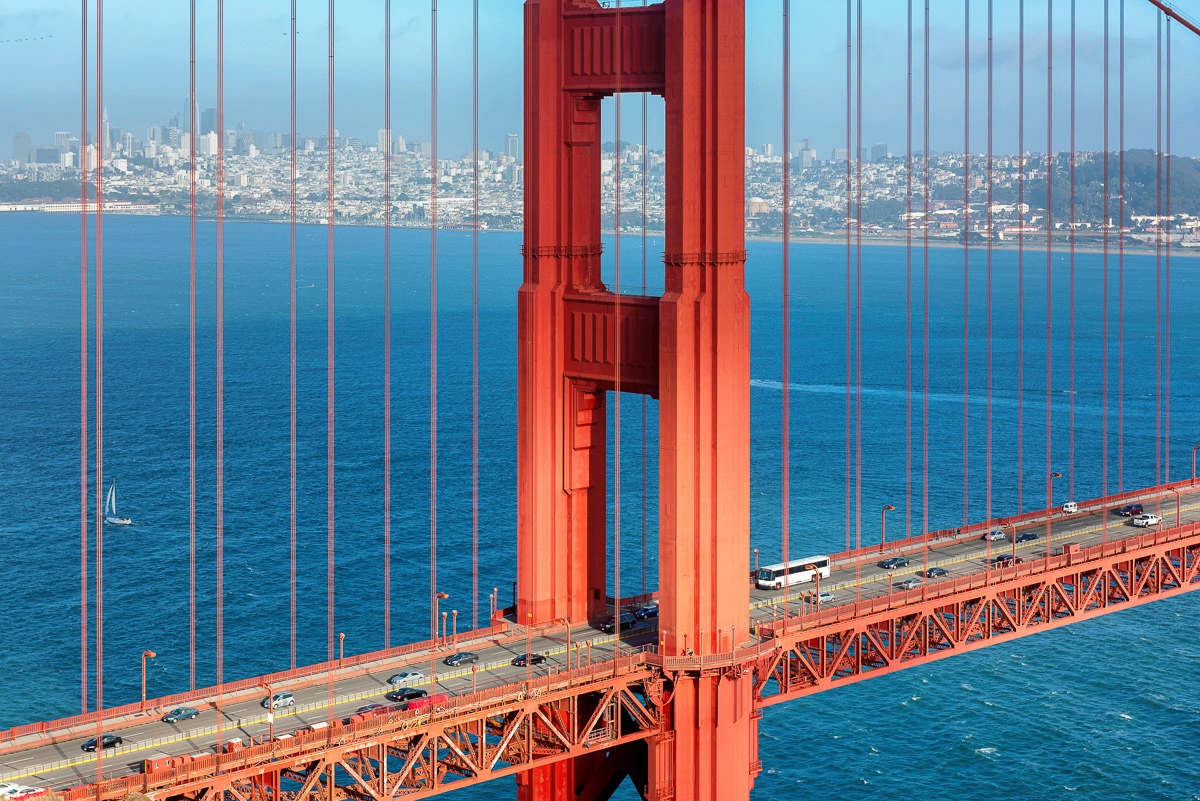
[474,677]
[1197,448]
[1013,526]
[1178,509]
[270,710]
[1050,507]
[528,646]
[454,641]
[887,507]
[341,647]
[437,599]
[817,591]
[147,654]
[756,564]
[444,638]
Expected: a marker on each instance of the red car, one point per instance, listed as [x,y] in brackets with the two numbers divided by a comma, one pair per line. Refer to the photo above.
[1130,510]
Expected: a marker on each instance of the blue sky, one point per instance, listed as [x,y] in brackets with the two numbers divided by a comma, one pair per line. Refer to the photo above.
[146,70]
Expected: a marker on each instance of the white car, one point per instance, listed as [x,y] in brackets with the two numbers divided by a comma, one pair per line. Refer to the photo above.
[1142,521]
[10,788]
[994,534]
[407,677]
[1070,508]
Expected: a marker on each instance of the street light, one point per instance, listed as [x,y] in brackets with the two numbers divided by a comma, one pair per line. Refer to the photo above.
[883,525]
[755,563]
[528,647]
[1013,526]
[1050,507]
[145,655]
[270,710]
[437,599]
[1178,510]
[341,647]
[1197,448]
[817,579]
[454,642]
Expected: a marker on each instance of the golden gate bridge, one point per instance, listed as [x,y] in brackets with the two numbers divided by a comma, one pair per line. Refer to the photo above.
[670,696]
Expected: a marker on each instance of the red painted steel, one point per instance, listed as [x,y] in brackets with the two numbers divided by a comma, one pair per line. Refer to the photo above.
[575,338]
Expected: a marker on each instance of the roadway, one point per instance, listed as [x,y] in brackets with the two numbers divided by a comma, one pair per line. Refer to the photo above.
[63,764]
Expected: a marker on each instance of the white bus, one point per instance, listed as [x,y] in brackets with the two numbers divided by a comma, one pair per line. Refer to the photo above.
[773,577]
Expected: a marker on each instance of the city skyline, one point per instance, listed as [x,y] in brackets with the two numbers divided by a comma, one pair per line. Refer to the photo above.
[146,69]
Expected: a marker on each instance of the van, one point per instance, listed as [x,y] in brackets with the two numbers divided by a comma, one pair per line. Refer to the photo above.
[428,701]
[1070,508]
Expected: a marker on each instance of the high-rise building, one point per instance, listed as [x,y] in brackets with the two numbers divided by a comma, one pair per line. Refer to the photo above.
[879,152]
[767,150]
[512,146]
[61,140]
[22,148]
[383,139]
[807,154]
[105,133]
[208,120]
[840,154]
[399,145]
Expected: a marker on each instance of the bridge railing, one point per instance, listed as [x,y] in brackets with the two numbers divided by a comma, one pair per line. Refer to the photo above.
[803,621]
[1038,515]
[257,751]
[286,677]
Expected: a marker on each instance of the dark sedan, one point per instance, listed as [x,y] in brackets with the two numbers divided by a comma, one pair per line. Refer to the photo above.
[647,612]
[461,658]
[406,694]
[182,713]
[894,562]
[532,659]
[936,572]
[1027,536]
[1129,510]
[109,741]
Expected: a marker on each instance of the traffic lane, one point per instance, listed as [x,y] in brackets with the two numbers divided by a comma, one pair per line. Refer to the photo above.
[964,557]
[243,718]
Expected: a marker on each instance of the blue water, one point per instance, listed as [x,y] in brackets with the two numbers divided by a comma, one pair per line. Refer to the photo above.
[1100,710]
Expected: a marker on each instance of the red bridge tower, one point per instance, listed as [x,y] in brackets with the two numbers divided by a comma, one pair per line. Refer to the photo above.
[689,348]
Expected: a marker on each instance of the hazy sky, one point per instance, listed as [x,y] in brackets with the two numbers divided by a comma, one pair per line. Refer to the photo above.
[146,70]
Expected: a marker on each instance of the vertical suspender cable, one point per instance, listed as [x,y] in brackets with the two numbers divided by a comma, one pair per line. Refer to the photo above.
[645,209]
[1104,334]
[84,605]
[1071,393]
[849,375]
[617,342]
[99,559]
[329,370]
[1158,242]
[292,461]
[858,280]
[925,299]
[908,190]
[1121,188]
[1049,261]
[1158,253]
[192,175]
[220,378]
[991,176]
[1021,258]
[966,259]
[1167,287]
[785,444]
[433,375]
[475,321]
[387,325]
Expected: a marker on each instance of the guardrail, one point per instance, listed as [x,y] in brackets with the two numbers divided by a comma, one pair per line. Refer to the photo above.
[972,581]
[277,680]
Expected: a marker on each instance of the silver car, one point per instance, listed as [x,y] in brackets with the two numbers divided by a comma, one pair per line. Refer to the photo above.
[911,583]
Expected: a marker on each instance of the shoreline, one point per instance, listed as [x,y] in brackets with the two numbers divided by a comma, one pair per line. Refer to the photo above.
[1033,244]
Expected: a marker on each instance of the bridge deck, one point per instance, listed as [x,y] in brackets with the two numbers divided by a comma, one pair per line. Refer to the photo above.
[50,754]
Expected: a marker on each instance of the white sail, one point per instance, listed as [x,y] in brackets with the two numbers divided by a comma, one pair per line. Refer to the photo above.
[110,508]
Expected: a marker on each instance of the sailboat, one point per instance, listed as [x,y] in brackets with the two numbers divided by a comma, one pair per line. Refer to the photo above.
[110,509]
